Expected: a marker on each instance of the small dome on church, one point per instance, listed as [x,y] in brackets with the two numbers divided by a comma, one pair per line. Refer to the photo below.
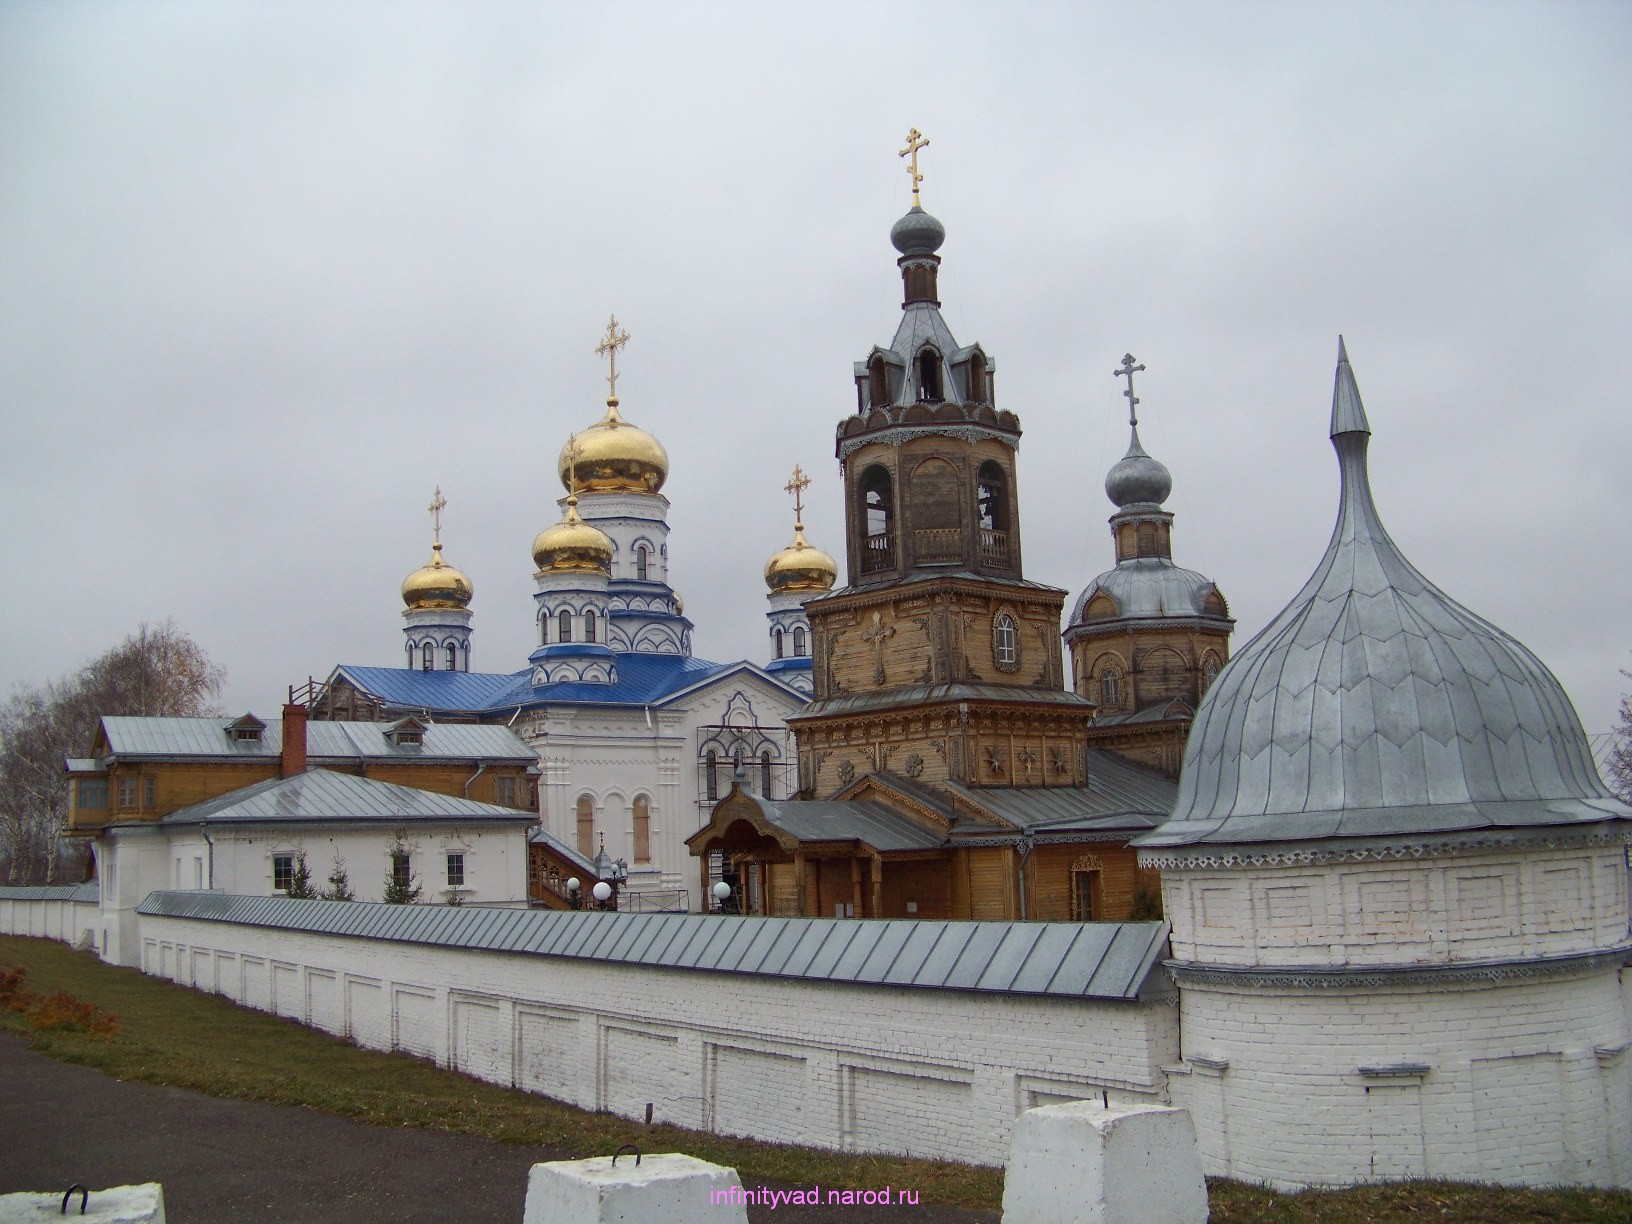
[613,456]
[801,567]
[436,584]
[1137,479]
[573,545]
[917,233]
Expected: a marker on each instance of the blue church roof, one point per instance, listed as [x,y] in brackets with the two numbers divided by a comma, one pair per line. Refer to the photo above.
[643,679]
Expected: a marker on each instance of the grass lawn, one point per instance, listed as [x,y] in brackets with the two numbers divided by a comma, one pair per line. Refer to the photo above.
[169,1034]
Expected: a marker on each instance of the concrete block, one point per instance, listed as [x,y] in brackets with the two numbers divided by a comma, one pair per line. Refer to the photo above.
[1081,1163]
[670,1187]
[117,1205]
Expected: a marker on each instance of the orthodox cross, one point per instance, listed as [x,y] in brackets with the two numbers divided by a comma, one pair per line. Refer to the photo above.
[575,451]
[797,484]
[437,502]
[614,340]
[1127,370]
[915,141]
[878,635]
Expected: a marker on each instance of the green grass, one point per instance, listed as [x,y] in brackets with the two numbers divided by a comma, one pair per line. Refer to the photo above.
[184,1038]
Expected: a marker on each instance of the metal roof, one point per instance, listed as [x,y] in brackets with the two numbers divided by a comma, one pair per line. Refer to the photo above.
[1120,797]
[1375,705]
[933,694]
[544,837]
[643,679]
[325,741]
[88,893]
[1091,960]
[323,795]
[815,820]
[1149,588]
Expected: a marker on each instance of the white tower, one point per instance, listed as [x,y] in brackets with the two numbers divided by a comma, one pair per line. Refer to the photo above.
[798,573]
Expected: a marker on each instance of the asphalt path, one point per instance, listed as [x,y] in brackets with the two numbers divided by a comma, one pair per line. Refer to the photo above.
[222,1161]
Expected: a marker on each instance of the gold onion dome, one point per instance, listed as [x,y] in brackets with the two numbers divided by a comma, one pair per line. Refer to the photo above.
[436,584]
[573,545]
[613,456]
[800,567]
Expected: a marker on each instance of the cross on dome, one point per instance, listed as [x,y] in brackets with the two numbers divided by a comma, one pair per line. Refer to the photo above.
[1127,370]
[436,506]
[915,141]
[797,484]
[614,340]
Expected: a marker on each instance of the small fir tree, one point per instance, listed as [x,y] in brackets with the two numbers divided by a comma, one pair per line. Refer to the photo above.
[300,881]
[339,882]
[401,885]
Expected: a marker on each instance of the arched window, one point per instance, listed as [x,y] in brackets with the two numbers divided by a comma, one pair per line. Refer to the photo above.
[410,654]
[427,657]
[1209,670]
[711,774]
[877,512]
[878,383]
[992,497]
[563,626]
[1005,642]
[765,773]
[799,648]
[977,379]
[641,562]
[464,657]
[589,626]
[643,829]
[929,377]
[451,655]
[544,629]
[586,825]
[778,636]
[1110,688]
[1147,539]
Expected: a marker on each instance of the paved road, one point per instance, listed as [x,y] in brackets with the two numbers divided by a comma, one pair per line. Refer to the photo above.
[238,1160]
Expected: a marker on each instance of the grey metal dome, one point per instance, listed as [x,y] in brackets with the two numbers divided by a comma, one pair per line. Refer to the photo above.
[1137,479]
[1375,705]
[1149,587]
[917,233]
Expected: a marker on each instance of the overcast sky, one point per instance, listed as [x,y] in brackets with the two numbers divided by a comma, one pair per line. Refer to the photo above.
[271,272]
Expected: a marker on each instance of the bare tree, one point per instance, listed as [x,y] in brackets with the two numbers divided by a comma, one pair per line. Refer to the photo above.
[158,670]
[1620,752]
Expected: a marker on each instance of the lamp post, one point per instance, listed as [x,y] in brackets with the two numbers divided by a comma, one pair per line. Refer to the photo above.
[572,892]
[722,895]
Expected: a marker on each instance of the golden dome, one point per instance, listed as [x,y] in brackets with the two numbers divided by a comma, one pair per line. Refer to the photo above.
[613,456]
[573,545]
[436,585]
[799,567]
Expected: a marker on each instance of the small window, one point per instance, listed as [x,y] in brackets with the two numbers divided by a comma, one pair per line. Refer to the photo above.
[427,657]
[778,637]
[127,792]
[1147,539]
[452,657]
[456,870]
[1209,671]
[93,792]
[148,788]
[799,648]
[929,377]
[1087,890]
[283,872]
[563,626]
[711,776]
[586,825]
[641,562]
[402,870]
[765,773]
[410,654]
[1004,641]
[589,626]
[643,829]
[1110,688]
[504,792]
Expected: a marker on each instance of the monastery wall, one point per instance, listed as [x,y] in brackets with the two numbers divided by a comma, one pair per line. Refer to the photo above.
[63,911]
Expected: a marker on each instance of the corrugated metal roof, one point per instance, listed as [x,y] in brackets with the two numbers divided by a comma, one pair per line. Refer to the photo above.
[325,741]
[1094,960]
[812,820]
[323,795]
[1120,796]
[88,893]
[643,679]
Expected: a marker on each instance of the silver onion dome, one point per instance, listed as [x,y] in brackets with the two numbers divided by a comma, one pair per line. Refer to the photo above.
[917,233]
[1137,479]
[1375,705]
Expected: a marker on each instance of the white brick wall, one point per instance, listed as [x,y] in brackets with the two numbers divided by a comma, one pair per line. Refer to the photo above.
[936,1073]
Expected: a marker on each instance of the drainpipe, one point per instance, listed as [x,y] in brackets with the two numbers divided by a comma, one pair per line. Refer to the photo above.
[481,768]
[209,878]
[1025,854]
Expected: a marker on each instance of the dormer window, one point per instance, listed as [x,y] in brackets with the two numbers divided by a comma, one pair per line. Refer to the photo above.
[929,377]
[878,382]
[247,730]
[410,731]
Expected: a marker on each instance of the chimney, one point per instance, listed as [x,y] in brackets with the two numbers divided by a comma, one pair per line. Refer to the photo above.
[294,741]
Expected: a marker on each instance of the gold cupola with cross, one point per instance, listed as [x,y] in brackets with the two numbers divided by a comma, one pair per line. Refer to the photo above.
[795,575]
[937,661]
[436,615]
[613,456]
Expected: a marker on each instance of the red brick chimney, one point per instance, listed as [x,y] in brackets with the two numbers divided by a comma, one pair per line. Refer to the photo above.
[294,741]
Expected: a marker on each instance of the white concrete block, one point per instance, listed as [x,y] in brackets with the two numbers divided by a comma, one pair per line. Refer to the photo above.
[1080,1163]
[670,1187]
[117,1205]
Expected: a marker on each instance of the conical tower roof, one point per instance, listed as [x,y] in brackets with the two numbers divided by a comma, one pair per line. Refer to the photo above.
[1375,705]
